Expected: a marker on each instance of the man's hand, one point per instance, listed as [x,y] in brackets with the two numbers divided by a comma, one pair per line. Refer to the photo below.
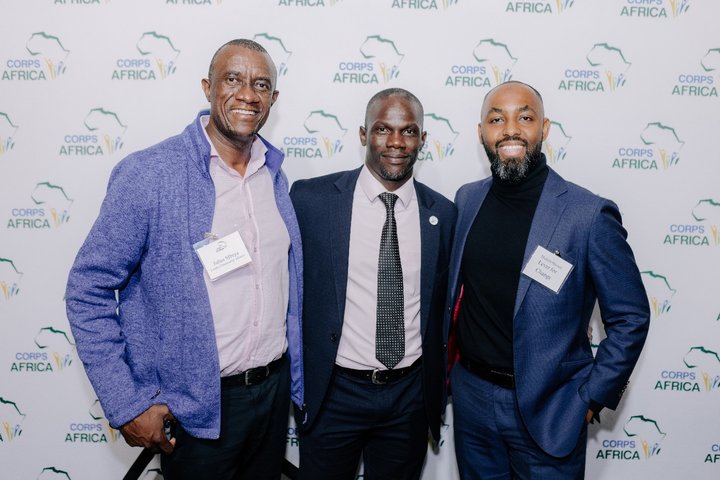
[146,430]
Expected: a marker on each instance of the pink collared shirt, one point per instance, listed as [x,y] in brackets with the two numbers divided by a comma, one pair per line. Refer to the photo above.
[357,342]
[249,304]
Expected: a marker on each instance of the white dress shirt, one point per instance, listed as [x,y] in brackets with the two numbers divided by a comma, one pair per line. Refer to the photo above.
[357,343]
[249,305]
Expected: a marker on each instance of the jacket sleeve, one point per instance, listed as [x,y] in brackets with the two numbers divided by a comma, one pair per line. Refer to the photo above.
[110,256]
[623,306]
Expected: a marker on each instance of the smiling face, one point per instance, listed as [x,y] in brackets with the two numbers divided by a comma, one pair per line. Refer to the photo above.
[241,90]
[393,138]
[512,130]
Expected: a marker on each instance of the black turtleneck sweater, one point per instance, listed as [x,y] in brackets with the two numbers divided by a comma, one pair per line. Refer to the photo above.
[491,266]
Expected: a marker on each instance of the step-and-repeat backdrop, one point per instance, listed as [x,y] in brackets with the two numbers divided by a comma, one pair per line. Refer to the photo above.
[631,87]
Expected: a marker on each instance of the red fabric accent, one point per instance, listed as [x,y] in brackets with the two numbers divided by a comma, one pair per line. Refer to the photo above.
[453,352]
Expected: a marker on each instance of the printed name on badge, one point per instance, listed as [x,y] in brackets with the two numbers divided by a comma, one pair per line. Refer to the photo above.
[223,255]
[548,269]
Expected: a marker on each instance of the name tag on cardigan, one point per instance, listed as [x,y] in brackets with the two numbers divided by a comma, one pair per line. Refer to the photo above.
[223,255]
[548,269]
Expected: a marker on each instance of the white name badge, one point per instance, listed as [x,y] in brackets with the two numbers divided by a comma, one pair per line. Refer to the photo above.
[223,255]
[548,269]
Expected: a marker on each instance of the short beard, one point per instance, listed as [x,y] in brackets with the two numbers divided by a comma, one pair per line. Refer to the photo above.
[514,170]
[396,177]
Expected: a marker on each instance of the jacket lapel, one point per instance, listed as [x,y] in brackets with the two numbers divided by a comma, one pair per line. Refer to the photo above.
[547,215]
[200,187]
[340,218]
[429,245]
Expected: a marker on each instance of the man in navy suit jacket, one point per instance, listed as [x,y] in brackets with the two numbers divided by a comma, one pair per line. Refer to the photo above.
[354,403]
[532,253]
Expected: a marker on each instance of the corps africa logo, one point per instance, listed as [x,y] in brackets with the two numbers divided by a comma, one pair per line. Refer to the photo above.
[53,473]
[307,3]
[292,439]
[713,455]
[9,279]
[707,364]
[648,432]
[539,6]
[655,8]
[556,143]
[50,209]
[44,59]
[605,71]
[156,60]
[7,133]
[423,4]
[701,373]
[103,135]
[323,137]
[440,140]
[53,352]
[276,49]
[711,61]
[700,83]
[705,232]
[492,65]
[659,149]
[11,419]
[379,62]
[659,292]
[193,2]
[642,441]
[79,2]
[707,212]
[95,429]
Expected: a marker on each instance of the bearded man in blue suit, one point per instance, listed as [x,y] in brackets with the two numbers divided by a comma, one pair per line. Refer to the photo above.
[532,254]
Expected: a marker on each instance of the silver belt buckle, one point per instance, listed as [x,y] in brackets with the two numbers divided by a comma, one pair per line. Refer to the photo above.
[374,378]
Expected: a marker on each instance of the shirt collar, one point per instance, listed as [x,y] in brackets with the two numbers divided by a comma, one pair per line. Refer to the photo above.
[257,151]
[371,187]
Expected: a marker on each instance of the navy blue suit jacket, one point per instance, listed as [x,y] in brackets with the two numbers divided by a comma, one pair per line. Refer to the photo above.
[324,210]
[555,373]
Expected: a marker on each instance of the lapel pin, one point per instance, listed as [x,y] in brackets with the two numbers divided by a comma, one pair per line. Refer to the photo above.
[433,220]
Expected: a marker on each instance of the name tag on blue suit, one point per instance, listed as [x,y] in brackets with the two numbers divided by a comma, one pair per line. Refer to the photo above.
[548,269]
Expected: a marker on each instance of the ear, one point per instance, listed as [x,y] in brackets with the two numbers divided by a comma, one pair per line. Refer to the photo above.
[274,97]
[423,137]
[363,137]
[205,83]
[545,128]
[479,131]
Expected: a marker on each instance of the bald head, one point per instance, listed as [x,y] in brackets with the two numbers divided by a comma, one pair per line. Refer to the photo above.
[395,92]
[244,43]
[511,87]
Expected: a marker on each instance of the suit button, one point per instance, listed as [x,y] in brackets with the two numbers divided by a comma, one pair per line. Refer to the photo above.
[333,337]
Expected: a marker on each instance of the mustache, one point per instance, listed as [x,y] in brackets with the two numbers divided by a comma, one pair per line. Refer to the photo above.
[514,138]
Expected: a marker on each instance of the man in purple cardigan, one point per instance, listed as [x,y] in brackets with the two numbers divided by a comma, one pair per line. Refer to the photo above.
[185,299]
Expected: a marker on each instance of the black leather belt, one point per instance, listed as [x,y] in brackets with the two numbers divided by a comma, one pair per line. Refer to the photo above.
[380,377]
[492,375]
[251,376]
